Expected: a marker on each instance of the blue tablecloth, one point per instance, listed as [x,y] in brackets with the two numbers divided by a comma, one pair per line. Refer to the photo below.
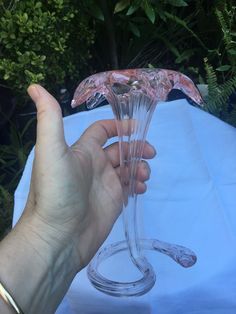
[191,200]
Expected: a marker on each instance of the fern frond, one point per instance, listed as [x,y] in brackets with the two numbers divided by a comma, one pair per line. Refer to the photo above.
[211,78]
[213,90]
[218,95]
[226,21]
[226,90]
[222,19]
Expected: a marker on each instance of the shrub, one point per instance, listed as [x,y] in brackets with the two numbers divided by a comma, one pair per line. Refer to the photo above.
[42,41]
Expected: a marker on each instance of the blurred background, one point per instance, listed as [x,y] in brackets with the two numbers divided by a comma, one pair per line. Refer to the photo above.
[57,43]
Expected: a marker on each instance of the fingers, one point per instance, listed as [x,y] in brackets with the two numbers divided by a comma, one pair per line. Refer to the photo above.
[143,171]
[142,175]
[49,116]
[113,154]
[100,132]
[140,188]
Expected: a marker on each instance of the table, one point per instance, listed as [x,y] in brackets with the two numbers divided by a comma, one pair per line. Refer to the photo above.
[191,200]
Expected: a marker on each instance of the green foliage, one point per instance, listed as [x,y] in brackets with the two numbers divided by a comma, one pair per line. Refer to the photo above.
[6,205]
[133,33]
[146,5]
[226,50]
[39,40]
[218,96]
[221,76]
[12,161]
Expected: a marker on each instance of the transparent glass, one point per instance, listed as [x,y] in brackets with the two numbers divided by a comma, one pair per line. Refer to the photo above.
[133,102]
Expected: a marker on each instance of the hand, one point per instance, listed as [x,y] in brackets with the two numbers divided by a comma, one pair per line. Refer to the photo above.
[75,191]
[75,197]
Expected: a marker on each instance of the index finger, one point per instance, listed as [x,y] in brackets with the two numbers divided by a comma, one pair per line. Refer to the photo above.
[100,131]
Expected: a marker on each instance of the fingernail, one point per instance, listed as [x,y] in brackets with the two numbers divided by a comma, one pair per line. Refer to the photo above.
[33,92]
[146,165]
[152,148]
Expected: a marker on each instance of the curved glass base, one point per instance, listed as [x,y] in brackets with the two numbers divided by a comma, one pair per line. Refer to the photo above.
[180,254]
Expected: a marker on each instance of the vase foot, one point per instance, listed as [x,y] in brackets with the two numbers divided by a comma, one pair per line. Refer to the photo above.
[182,255]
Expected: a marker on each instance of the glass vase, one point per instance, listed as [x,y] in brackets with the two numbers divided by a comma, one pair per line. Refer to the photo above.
[133,102]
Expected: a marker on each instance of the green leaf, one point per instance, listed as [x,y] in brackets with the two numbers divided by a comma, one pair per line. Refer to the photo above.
[6,76]
[133,8]
[121,5]
[232,51]
[96,12]
[25,17]
[2,161]
[150,12]
[38,5]
[4,34]
[223,68]
[134,29]
[185,55]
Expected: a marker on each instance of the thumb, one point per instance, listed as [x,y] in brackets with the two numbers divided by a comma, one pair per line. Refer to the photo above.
[50,132]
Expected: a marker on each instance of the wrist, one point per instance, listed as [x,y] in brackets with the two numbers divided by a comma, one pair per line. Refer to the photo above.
[48,241]
[35,267]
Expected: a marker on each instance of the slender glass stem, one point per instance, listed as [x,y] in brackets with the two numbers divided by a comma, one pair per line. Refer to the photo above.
[138,112]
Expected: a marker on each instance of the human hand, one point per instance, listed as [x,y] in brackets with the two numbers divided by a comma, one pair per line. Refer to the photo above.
[75,194]
[75,197]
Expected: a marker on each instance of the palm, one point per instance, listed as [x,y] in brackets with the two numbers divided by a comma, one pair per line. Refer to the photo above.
[86,188]
[101,194]
[101,191]
[102,185]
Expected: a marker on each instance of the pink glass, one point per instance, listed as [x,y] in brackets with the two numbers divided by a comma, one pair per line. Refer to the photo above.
[133,95]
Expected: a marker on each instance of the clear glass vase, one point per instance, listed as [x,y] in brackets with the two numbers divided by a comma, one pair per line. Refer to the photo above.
[133,103]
